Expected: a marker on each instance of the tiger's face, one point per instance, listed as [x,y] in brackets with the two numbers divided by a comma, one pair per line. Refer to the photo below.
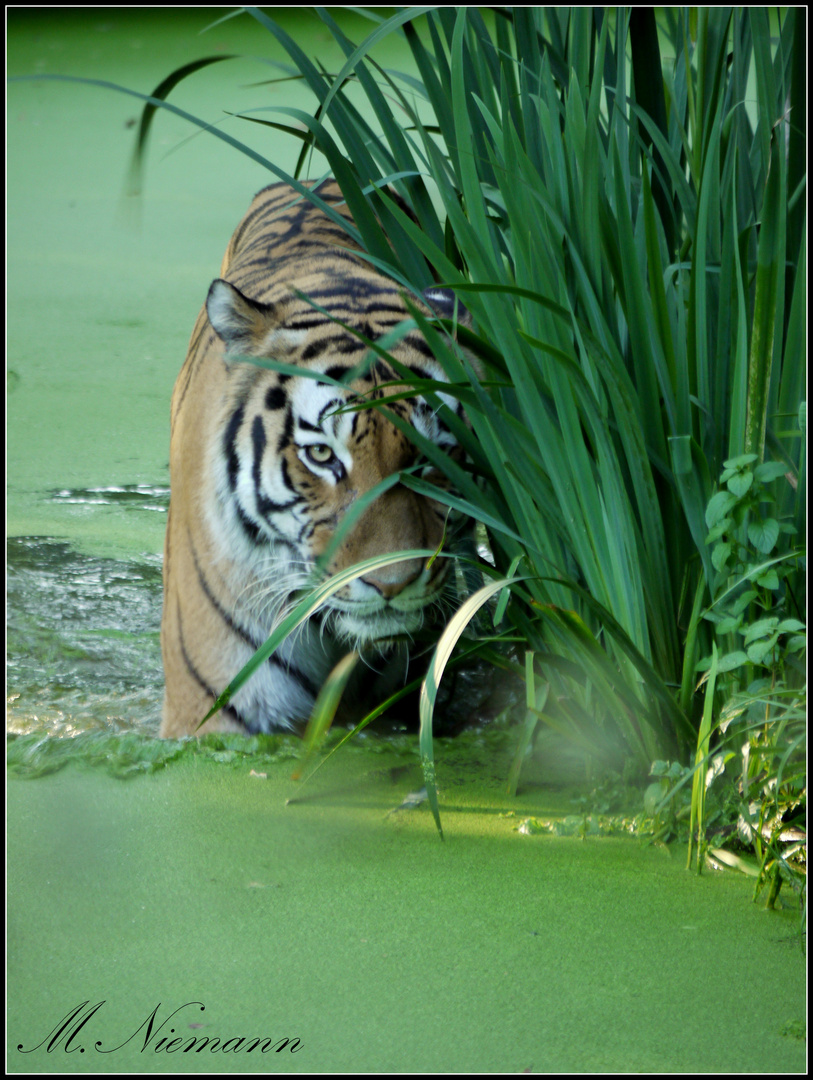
[295,460]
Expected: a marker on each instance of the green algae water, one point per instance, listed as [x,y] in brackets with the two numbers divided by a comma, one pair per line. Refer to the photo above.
[185,907]
[194,895]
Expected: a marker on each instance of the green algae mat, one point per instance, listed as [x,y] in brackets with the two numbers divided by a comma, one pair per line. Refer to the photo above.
[192,918]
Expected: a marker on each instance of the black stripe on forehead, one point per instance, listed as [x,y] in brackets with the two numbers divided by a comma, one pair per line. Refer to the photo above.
[347,287]
[418,343]
[337,372]
[343,345]
[331,406]
[364,422]
[381,370]
[421,373]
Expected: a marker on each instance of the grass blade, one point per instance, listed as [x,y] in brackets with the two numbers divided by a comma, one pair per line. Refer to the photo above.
[431,683]
[760,360]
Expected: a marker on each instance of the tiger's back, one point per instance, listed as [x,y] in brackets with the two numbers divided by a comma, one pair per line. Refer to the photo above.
[263,468]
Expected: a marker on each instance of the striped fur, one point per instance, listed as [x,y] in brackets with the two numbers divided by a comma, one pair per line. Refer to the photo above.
[263,469]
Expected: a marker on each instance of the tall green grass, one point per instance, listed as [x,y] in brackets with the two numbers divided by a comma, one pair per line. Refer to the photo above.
[620,203]
[626,230]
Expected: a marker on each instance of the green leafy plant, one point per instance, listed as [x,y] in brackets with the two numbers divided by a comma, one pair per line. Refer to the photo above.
[758,576]
[759,718]
[758,598]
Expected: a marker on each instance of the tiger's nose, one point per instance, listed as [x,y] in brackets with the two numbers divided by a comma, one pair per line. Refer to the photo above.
[389,581]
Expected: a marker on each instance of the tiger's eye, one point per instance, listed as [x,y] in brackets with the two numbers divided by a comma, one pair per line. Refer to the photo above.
[320,454]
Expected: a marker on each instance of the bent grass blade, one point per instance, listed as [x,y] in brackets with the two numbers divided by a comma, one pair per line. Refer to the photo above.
[431,683]
[379,710]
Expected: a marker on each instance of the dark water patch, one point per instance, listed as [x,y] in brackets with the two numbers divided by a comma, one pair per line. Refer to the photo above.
[84,652]
[83,648]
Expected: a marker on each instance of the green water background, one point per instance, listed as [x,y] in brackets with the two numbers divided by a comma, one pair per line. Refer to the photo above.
[103,291]
[332,919]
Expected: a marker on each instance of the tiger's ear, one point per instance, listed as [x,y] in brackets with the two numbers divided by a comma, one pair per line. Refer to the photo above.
[444,302]
[242,323]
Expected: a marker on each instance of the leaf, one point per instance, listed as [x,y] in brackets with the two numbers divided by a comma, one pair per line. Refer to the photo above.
[720,556]
[148,114]
[697,820]
[764,534]
[760,360]
[740,483]
[770,470]
[760,651]
[431,683]
[719,506]
[728,662]
[720,529]
[743,600]
[768,580]
[740,462]
[731,661]
[324,709]
[761,628]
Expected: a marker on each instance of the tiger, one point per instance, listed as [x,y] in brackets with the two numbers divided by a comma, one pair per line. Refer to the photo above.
[264,465]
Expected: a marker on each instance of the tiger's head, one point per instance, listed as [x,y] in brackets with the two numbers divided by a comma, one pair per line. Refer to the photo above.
[293,461]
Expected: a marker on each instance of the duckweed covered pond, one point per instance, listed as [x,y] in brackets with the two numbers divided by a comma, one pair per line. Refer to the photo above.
[147,876]
[342,921]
